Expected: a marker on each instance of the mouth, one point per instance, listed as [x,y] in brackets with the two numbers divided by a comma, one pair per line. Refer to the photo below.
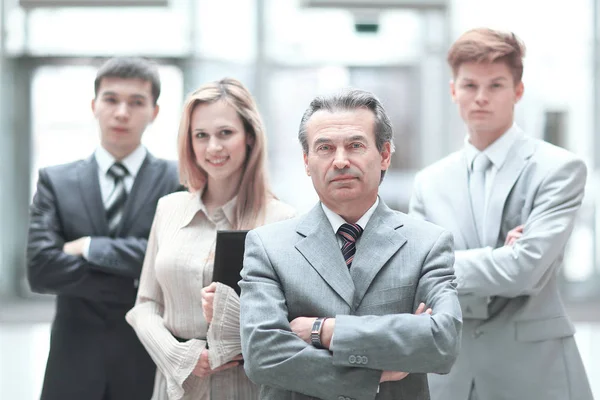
[217,162]
[120,130]
[480,112]
[343,178]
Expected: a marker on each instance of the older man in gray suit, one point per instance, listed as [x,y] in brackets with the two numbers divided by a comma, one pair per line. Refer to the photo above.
[331,316]
[510,202]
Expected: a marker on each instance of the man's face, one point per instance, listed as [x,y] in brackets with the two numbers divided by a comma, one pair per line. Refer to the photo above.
[343,160]
[124,108]
[486,95]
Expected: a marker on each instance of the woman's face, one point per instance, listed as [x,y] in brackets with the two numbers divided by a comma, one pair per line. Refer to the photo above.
[219,140]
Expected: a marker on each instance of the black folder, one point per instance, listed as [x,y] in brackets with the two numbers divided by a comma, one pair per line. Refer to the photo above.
[229,258]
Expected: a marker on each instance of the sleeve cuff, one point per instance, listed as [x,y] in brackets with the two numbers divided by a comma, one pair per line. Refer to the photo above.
[223,336]
[86,247]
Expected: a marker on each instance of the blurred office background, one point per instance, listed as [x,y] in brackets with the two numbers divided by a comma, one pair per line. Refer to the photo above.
[286,51]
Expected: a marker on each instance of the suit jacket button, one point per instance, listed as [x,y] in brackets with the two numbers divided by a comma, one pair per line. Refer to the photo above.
[341,398]
[352,360]
[365,360]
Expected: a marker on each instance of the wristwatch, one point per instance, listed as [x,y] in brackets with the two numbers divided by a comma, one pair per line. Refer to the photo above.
[315,333]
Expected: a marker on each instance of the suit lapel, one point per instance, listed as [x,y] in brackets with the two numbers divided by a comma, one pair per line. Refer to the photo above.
[504,181]
[145,182]
[379,242]
[89,188]
[321,250]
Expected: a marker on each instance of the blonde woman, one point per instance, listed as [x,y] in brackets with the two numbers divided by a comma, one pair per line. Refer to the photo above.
[222,162]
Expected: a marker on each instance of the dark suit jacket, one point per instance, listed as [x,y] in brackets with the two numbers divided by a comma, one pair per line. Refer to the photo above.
[94,353]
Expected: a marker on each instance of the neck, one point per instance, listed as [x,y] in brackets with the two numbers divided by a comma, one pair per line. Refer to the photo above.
[481,139]
[119,153]
[352,211]
[218,192]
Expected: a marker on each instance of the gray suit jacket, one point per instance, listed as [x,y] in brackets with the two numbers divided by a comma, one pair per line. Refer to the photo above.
[525,350]
[295,268]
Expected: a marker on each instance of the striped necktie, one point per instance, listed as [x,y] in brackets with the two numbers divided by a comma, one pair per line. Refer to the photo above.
[117,198]
[350,233]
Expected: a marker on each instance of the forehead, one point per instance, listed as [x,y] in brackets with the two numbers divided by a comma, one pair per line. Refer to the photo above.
[125,87]
[481,71]
[339,124]
[215,114]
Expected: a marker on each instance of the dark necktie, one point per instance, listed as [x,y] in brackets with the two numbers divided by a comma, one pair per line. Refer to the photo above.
[350,233]
[117,198]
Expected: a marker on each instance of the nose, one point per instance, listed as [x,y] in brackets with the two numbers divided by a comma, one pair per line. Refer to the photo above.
[341,158]
[482,97]
[122,110]
[214,145]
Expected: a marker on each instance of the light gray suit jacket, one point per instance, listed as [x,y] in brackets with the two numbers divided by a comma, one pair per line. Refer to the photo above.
[295,268]
[526,350]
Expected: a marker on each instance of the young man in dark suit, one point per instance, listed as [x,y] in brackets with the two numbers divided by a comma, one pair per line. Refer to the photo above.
[89,224]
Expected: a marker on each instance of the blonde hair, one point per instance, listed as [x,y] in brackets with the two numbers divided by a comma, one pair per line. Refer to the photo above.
[488,45]
[254,191]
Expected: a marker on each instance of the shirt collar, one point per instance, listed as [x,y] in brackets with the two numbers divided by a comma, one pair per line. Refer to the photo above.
[498,151]
[336,220]
[196,204]
[133,162]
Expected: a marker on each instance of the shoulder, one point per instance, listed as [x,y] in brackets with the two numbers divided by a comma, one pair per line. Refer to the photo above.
[440,168]
[169,166]
[61,169]
[419,227]
[551,154]
[549,162]
[176,200]
[280,230]
[277,210]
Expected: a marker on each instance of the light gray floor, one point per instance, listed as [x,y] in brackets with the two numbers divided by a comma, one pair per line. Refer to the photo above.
[24,348]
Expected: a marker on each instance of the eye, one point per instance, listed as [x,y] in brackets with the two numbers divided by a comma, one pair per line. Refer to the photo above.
[200,135]
[226,132]
[324,147]
[110,100]
[496,85]
[469,85]
[356,145]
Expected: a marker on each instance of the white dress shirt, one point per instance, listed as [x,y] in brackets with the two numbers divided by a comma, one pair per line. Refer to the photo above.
[133,162]
[336,221]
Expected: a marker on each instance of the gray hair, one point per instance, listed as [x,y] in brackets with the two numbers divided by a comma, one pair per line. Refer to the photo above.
[349,100]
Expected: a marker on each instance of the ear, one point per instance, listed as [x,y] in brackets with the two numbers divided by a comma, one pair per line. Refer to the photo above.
[519,90]
[250,140]
[453,90]
[155,112]
[94,106]
[306,164]
[386,156]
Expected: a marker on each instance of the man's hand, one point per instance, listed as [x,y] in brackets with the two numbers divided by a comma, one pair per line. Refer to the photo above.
[392,376]
[208,297]
[421,308]
[202,369]
[75,248]
[513,235]
[302,326]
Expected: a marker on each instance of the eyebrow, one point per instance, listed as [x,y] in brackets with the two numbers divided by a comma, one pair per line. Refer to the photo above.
[498,78]
[352,138]
[135,96]
[355,138]
[217,128]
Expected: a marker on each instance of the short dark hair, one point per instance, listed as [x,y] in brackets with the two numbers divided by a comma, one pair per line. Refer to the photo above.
[130,68]
[349,100]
